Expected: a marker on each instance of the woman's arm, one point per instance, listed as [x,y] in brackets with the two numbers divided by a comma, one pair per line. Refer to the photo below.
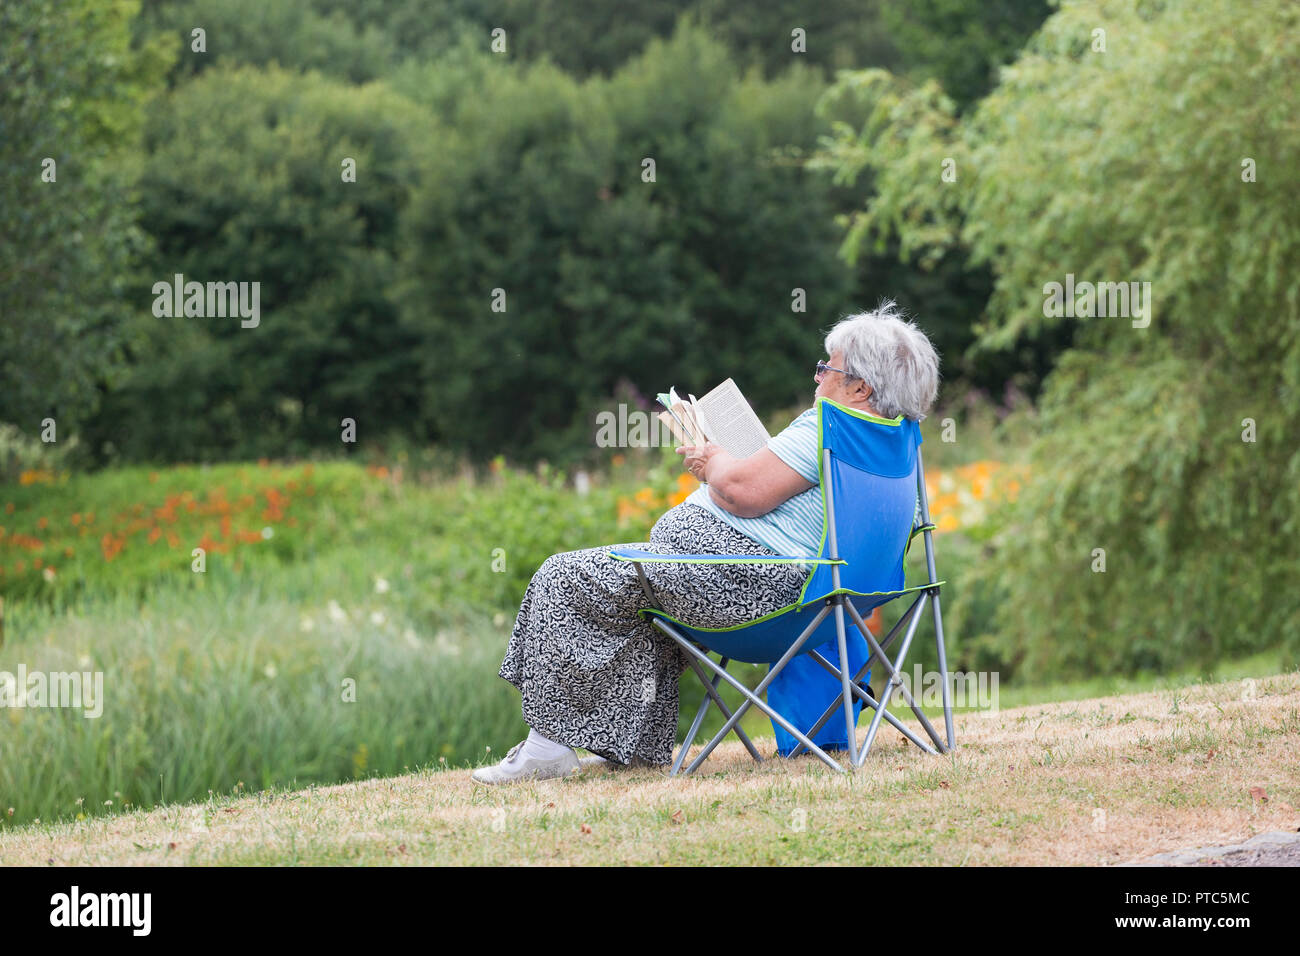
[747,487]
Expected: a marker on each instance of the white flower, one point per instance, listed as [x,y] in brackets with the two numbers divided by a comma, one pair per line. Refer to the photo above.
[411,638]
[337,614]
[381,586]
[267,532]
[377,617]
[306,624]
[498,619]
[443,644]
[270,671]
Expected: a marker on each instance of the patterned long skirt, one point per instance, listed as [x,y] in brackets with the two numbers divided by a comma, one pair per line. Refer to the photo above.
[592,673]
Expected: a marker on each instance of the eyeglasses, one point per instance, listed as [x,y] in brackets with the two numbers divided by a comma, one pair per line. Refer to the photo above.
[823,368]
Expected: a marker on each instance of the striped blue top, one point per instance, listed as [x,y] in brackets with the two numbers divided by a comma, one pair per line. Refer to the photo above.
[795,525]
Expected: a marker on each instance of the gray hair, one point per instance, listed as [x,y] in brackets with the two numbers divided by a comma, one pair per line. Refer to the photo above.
[892,356]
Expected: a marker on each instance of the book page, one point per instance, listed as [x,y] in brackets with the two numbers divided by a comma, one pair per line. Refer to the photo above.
[684,429]
[693,430]
[732,423]
[700,420]
[676,429]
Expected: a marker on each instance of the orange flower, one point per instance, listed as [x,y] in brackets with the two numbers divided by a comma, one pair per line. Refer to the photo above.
[110,546]
[43,522]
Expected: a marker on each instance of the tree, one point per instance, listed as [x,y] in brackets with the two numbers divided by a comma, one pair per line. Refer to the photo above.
[1167,435]
[247,180]
[73,93]
[960,43]
[538,192]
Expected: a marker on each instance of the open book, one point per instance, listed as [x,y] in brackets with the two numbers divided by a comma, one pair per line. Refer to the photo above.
[722,416]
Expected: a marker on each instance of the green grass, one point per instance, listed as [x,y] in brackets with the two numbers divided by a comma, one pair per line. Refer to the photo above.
[236,674]
[403,590]
[1025,788]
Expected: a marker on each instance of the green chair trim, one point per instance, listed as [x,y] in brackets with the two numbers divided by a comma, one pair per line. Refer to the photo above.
[789,607]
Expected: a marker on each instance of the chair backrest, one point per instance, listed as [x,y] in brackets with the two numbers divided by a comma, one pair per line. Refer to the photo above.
[869,494]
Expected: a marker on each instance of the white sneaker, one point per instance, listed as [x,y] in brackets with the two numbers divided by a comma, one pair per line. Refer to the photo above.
[517,767]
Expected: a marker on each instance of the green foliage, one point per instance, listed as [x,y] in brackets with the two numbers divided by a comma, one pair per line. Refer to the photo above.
[594,37]
[218,691]
[235,674]
[608,277]
[406,585]
[71,90]
[363,40]
[22,452]
[243,182]
[1117,166]
[960,43]
[294,34]
[478,171]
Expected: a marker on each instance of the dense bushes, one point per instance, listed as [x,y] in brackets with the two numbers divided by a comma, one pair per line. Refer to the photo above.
[475,171]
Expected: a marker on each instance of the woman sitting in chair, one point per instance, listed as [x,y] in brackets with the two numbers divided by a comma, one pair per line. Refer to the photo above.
[592,672]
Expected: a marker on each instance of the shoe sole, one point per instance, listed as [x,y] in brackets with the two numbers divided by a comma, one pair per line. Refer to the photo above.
[532,777]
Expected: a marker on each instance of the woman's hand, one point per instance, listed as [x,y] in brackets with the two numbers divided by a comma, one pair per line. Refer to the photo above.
[697,457]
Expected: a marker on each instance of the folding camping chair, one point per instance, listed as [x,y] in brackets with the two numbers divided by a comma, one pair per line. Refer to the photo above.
[871,476]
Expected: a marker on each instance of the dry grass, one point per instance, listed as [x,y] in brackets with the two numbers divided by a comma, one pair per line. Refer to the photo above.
[1085,782]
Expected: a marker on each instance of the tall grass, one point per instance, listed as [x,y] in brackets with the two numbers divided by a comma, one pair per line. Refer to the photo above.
[220,689]
[320,580]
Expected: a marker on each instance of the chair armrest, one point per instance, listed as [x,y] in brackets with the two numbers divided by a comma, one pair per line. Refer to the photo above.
[635,555]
